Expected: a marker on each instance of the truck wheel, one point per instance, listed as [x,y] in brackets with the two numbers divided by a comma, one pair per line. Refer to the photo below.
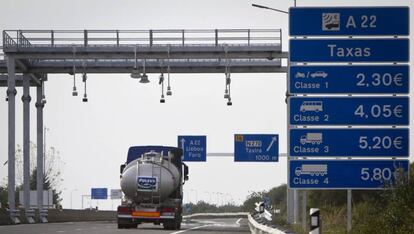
[168,225]
[172,225]
[122,226]
[126,223]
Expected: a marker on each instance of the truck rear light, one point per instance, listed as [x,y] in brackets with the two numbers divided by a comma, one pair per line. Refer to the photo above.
[124,209]
[167,210]
[146,214]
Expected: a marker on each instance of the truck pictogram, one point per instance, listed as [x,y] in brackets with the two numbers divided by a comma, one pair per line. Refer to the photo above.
[312,170]
[311,138]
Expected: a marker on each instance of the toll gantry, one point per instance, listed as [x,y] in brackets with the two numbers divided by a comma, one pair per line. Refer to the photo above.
[30,55]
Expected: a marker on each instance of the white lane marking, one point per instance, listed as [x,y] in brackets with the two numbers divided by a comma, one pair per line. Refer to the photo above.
[238,221]
[79,229]
[192,229]
[60,231]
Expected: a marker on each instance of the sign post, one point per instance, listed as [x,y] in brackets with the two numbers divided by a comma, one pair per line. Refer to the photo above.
[349,50]
[346,174]
[256,148]
[344,79]
[360,142]
[349,21]
[99,193]
[373,110]
[325,66]
[194,148]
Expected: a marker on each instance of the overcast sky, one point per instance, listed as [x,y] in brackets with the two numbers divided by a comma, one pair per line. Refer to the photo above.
[93,138]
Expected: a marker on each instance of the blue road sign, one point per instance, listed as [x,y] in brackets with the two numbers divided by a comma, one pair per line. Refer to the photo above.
[367,142]
[266,201]
[379,79]
[345,174]
[349,50]
[194,148]
[349,21]
[256,147]
[99,193]
[349,110]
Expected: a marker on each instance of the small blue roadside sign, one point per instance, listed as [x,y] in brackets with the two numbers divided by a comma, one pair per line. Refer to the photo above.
[256,148]
[349,21]
[345,174]
[194,148]
[99,193]
[360,142]
[355,79]
[266,201]
[349,110]
[349,50]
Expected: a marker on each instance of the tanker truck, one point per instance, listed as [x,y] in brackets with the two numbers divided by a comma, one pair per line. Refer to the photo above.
[152,182]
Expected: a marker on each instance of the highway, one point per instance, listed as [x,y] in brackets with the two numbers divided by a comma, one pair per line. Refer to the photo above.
[199,226]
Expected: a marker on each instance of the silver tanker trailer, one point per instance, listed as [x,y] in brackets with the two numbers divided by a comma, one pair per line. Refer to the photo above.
[152,181]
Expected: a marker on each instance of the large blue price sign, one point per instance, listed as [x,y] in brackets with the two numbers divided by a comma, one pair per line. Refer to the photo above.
[349,50]
[358,142]
[348,21]
[378,79]
[349,111]
[346,174]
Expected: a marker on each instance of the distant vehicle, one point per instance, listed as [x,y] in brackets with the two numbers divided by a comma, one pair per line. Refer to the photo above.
[311,106]
[152,180]
[300,75]
[311,138]
[312,170]
[320,74]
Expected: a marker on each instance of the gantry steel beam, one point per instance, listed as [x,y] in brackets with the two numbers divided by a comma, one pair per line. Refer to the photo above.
[115,51]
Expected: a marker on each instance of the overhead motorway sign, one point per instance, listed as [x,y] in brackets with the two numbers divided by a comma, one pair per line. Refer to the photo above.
[349,21]
[194,148]
[345,174]
[346,79]
[256,148]
[99,193]
[374,110]
[350,142]
[349,50]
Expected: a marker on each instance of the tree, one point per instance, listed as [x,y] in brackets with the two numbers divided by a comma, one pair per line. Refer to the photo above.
[252,198]
[52,174]
[47,185]
[392,212]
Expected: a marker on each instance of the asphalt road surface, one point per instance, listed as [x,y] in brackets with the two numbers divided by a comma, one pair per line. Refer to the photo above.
[199,226]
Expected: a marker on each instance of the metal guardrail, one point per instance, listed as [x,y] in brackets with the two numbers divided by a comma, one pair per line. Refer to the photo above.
[258,228]
[52,38]
[216,215]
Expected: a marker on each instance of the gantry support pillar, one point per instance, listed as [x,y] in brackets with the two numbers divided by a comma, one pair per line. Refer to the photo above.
[40,154]
[11,95]
[30,215]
